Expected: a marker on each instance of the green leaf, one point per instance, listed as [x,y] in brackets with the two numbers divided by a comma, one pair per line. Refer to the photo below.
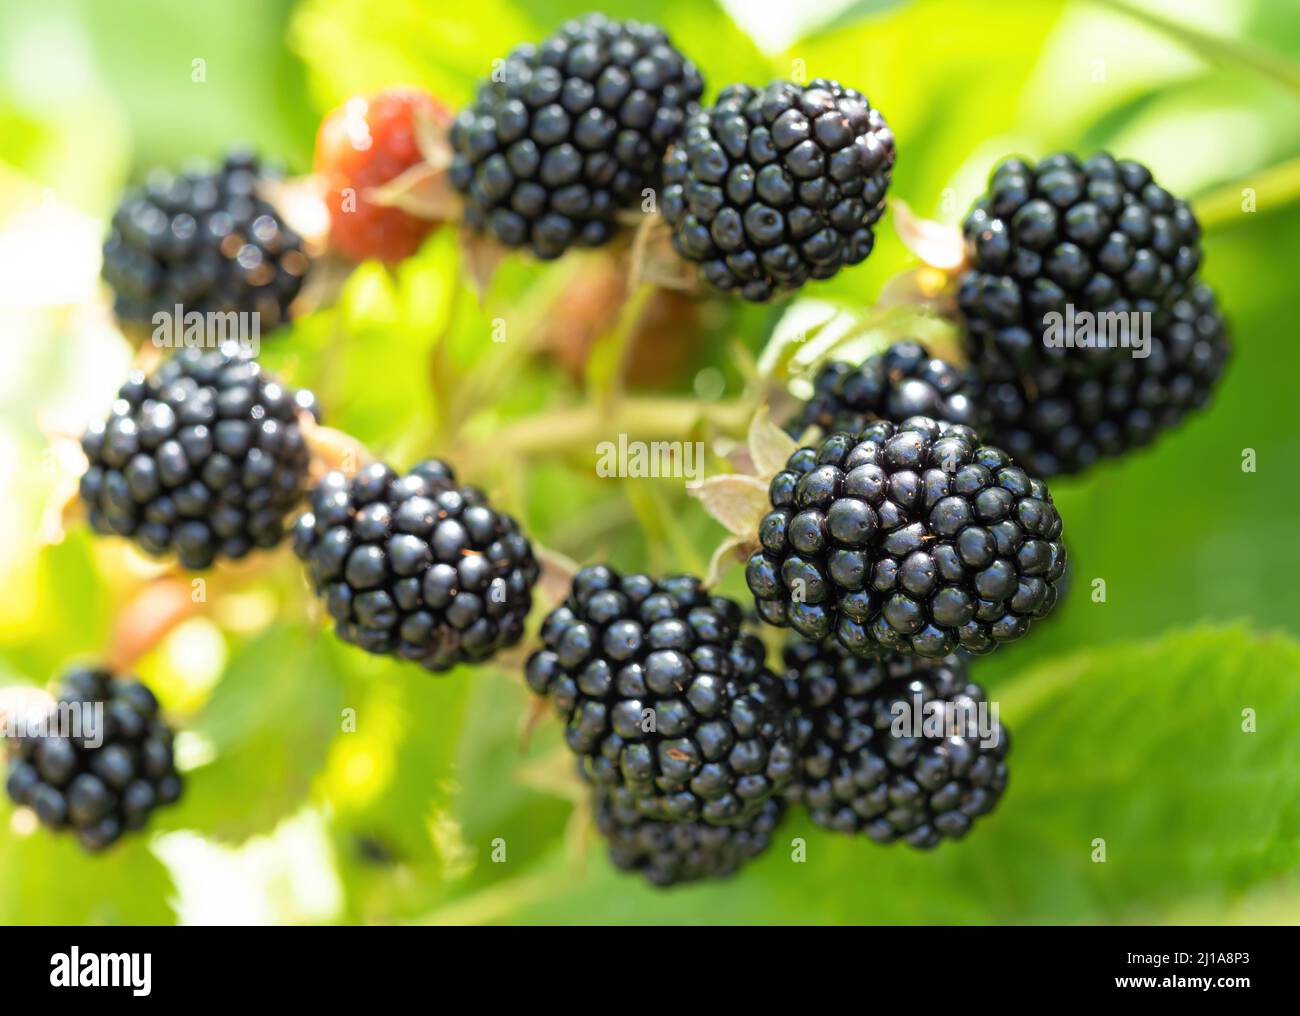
[1140,745]
[49,879]
[269,722]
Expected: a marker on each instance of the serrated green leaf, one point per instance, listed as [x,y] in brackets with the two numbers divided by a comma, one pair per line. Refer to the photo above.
[1140,745]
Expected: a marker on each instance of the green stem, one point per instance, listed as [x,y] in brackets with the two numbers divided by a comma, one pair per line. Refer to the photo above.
[613,353]
[1216,49]
[497,367]
[581,428]
[440,365]
[1273,188]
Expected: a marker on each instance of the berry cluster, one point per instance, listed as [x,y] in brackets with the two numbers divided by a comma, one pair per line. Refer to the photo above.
[902,538]
[1100,236]
[663,696]
[901,382]
[911,537]
[206,242]
[106,774]
[772,187]
[571,131]
[203,457]
[896,747]
[1064,423]
[417,565]
[672,853]
[766,189]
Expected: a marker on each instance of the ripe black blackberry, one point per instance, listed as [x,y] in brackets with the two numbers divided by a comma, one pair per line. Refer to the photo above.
[1067,423]
[103,774]
[571,131]
[205,241]
[868,761]
[901,382]
[771,187]
[1099,235]
[203,457]
[664,697]
[417,566]
[911,537]
[672,853]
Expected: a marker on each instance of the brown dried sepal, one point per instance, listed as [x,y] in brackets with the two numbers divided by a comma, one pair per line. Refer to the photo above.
[331,450]
[654,260]
[152,614]
[740,500]
[481,256]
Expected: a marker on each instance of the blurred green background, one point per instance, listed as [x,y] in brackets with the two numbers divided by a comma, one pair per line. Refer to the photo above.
[1126,714]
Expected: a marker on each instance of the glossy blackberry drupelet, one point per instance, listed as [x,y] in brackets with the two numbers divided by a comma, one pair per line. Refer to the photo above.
[417,566]
[206,241]
[104,775]
[771,187]
[870,764]
[1100,235]
[1068,423]
[204,458]
[569,132]
[664,697]
[911,537]
[673,853]
[901,382]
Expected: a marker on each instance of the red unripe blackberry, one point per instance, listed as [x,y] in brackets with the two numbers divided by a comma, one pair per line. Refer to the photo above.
[366,143]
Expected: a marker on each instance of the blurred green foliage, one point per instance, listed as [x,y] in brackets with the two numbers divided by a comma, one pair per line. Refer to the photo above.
[1126,714]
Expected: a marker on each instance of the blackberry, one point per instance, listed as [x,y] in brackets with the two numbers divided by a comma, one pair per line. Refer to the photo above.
[571,131]
[97,773]
[664,697]
[901,382]
[203,457]
[771,187]
[1067,423]
[874,758]
[417,566]
[911,537]
[1100,236]
[205,241]
[672,853]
